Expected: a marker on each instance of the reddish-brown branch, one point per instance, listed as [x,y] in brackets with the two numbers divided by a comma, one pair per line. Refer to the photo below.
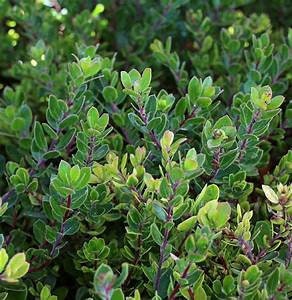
[188,117]
[61,233]
[152,134]
[177,286]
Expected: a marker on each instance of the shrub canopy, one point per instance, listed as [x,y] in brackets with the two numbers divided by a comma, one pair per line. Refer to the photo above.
[145,149]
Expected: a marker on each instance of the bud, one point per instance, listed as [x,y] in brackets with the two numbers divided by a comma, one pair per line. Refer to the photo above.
[217,133]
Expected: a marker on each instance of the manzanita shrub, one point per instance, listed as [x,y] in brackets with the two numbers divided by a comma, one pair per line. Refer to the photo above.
[138,166]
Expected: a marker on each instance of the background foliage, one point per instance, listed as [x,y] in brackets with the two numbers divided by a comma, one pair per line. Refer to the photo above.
[145,149]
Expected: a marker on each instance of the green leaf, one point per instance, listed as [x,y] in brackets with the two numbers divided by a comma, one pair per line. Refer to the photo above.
[54,108]
[18,124]
[159,212]
[50,234]
[265,232]
[69,121]
[45,293]
[22,175]
[135,121]
[191,163]
[228,158]
[208,193]
[276,102]
[102,122]
[123,275]
[135,76]
[207,43]
[154,123]
[273,281]
[146,79]
[83,179]
[52,134]
[208,81]
[89,67]
[132,180]
[222,215]
[92,117]
[16,268]
[194,89]
[214,214]
[126,80]
[131,93]
[12,291]
[167,139]
[74,70]
[52,154]
[204,102]
[156,234]
[165,189]
[209,91]
[110,94]
[181,107]
[117,295]
[64,172]
[200,293]
[71,226]
[39,136]
[270,194]
[60,188]
[176,174]
[38,231]
[3,259]
[224,121]
[187,224]
[228,284]
[78,198]
[137,295]
[252,273]
[74,174]
[66,139]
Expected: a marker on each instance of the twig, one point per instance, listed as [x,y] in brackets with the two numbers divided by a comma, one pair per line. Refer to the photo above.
[162,250]
[289,252]
[152,134]
[165,240]
[89,159]
[177,286]
[7,195]
[247,250]
[188,117]
[216,162]
[61,233]
[249,130]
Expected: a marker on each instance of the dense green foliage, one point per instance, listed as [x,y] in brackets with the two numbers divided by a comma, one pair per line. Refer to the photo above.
[145,149]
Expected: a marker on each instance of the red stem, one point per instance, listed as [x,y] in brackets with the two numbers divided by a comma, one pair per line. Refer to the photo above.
[249,130]
[177,286]
[61,233]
